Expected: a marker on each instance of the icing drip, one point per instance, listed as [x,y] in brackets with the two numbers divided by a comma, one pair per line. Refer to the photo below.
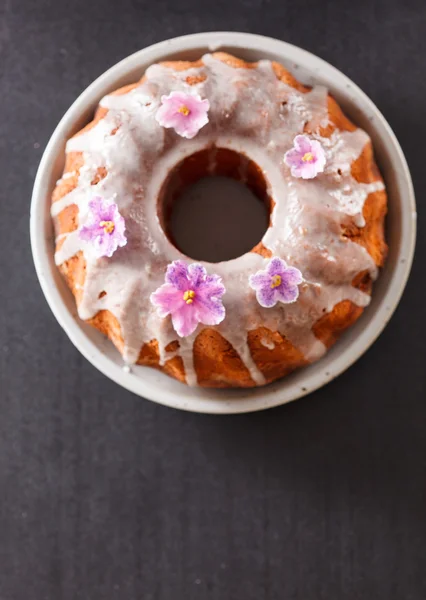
[253,113]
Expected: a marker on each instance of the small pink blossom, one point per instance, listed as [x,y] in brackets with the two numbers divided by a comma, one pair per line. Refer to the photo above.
[186,113]
[277,283]
[105,228]
[306,158]
[190,296]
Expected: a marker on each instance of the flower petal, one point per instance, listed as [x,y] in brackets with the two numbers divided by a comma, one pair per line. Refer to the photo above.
[307,171]
[167,299]
[214,285]
[303,144]
[196,275]
[293,276]
[178,276]
[209,311]
[320,158]
[188,128]
[175,99]
[105,245]
[259,280]
[109,212]
[293,158]
[90,232]
[287,293]
[208,303]
[276,266]
[185,320]
[266,297]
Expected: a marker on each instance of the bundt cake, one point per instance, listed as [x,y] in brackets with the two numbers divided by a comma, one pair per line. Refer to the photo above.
[247,321]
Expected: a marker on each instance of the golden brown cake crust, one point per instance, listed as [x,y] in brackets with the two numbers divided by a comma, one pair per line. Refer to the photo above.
[216,362]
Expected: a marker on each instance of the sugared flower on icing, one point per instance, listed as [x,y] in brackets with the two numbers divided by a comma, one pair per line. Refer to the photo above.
[277,283]
[306,159]
[190,296]
[105,227]
[186,113]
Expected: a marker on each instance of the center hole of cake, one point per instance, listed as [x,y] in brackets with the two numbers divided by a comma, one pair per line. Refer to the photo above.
[214,206]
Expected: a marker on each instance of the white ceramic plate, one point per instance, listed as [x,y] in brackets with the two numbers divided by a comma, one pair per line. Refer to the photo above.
[401,227]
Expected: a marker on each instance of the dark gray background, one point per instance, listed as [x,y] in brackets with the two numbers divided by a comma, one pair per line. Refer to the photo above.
[104,495]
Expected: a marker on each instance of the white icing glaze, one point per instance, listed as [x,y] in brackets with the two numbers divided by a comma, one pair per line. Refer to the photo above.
[267,343]
[253,113]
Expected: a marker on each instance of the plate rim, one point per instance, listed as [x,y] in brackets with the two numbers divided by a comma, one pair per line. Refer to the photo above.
[226,401]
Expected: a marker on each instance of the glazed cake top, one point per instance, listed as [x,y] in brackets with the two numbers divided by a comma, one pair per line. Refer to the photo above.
[252,113]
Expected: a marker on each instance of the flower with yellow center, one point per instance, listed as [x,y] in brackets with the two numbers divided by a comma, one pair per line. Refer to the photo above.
[189,296]
[308,157]
[104,230]
[184,110]
[275,281]
[108,226]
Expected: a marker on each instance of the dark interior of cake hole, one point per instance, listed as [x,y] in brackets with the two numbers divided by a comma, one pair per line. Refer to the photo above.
[214,205]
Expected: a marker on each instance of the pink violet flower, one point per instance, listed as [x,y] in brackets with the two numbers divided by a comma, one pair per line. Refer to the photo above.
[306,159]
[277,283]
[190,296]
[105,229]
[186,113]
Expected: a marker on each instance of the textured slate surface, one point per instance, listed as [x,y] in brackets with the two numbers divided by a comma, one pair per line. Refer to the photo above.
[104,495]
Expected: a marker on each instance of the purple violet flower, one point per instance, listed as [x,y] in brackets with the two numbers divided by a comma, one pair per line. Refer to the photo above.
[105,230]
[186,113]
[277,283]
[306,158]
[190,296]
